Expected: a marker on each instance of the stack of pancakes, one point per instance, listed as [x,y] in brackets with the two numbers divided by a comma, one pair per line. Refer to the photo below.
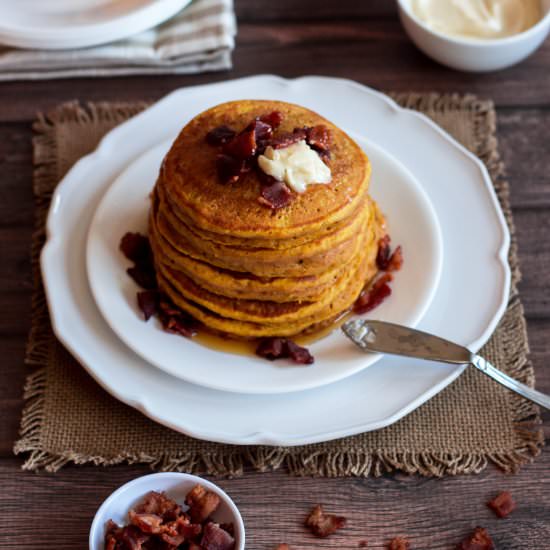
[243,269]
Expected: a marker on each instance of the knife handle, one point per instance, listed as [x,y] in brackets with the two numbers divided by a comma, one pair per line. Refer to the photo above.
[525,391]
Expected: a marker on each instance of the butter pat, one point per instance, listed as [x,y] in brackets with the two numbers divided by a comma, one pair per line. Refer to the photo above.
[478,18]
[297,165]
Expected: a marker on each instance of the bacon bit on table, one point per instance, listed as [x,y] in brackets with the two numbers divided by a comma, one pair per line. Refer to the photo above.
[220,135]
[323,525]
[478,540]
[503,504]
[159,522]
[362,544]
[373,296]
[202,503]
[283,547]
[283,348]
[215,538]
[399,543]
[276,195]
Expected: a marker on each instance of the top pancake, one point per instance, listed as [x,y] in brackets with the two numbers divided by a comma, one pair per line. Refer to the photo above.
[190,182]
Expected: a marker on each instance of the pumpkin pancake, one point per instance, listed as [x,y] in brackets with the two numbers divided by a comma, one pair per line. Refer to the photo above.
[248,270]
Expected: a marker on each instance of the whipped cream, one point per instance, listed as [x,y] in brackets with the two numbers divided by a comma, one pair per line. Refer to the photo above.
[478,18]
[298,165]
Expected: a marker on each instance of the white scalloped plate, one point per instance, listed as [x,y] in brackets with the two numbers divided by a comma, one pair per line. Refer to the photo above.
[468,303]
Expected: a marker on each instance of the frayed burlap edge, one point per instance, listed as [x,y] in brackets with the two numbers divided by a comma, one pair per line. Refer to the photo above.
[319,463]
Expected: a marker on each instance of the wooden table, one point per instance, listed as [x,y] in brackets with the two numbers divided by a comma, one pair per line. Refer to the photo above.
[358,40]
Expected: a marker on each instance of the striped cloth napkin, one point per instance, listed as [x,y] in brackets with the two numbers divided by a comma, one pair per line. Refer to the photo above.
[198,39]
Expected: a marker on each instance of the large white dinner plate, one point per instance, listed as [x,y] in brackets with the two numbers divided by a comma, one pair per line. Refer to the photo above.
[469,301]
[411,223]
[61,24]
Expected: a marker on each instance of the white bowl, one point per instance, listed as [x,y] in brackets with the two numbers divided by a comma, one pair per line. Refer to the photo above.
[470,54]
[176,486]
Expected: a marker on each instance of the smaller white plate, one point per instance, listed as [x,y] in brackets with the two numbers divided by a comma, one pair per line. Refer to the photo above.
[63,24]
[412,223]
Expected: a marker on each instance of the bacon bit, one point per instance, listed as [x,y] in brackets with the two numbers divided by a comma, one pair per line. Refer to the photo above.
[363,544]
[243,145]
[383,256]
[283,547]
[274,119]
[135,247]
[399,543]
[177,321]
[220,135]
[144,276]
[202,503]
[478,540]
[229,527]
[230,169]
[275,196]
[323,525]
[215,538]
[289,138]
[160,505]
[148,302]
[298,354]
[503,504]
[283,348]
[395,262]
[132,538]
[373,297]
[318,137]
[147,523]
[180,530]
[193,546]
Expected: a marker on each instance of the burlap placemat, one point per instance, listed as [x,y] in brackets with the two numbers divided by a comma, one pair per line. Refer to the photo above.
[69,418]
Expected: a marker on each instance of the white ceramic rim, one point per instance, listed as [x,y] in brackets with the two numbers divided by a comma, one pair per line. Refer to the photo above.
[239,526]
[55,241]
[272,384]
[467,41]
[127,24]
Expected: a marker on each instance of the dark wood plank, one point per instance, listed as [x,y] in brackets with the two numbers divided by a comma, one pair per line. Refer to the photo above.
[433,513]
[375,52]
[288,10]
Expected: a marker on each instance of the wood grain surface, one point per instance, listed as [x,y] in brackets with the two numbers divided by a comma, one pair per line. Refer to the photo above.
[358,40]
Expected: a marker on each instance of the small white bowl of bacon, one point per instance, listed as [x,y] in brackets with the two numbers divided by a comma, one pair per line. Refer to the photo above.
[168,510]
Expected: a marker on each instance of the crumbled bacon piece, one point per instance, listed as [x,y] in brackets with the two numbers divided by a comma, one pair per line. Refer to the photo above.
[478,540]
[395,262]
[283,547]
[229,527]
[160,505]
[323,525]
[399,543]
[147,523]
[148,302]
[283,348]
[176,320]
[135,247]
[383,256]
[362,544]
[503,504]
[318,137]
[202,503]
[298,354]
[274,119]
[276,195]
[132,538]
[220,135]
[243,145]
[373,297]
[288,138]
[143,275]
[230,169]
[215,538]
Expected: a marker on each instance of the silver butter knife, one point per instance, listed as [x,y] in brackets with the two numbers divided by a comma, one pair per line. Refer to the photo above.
[381,337]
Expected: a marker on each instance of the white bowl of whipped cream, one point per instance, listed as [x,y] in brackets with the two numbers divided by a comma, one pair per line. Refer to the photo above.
[476,35]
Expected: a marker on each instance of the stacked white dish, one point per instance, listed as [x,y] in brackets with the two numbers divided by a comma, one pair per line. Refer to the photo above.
[432,190]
